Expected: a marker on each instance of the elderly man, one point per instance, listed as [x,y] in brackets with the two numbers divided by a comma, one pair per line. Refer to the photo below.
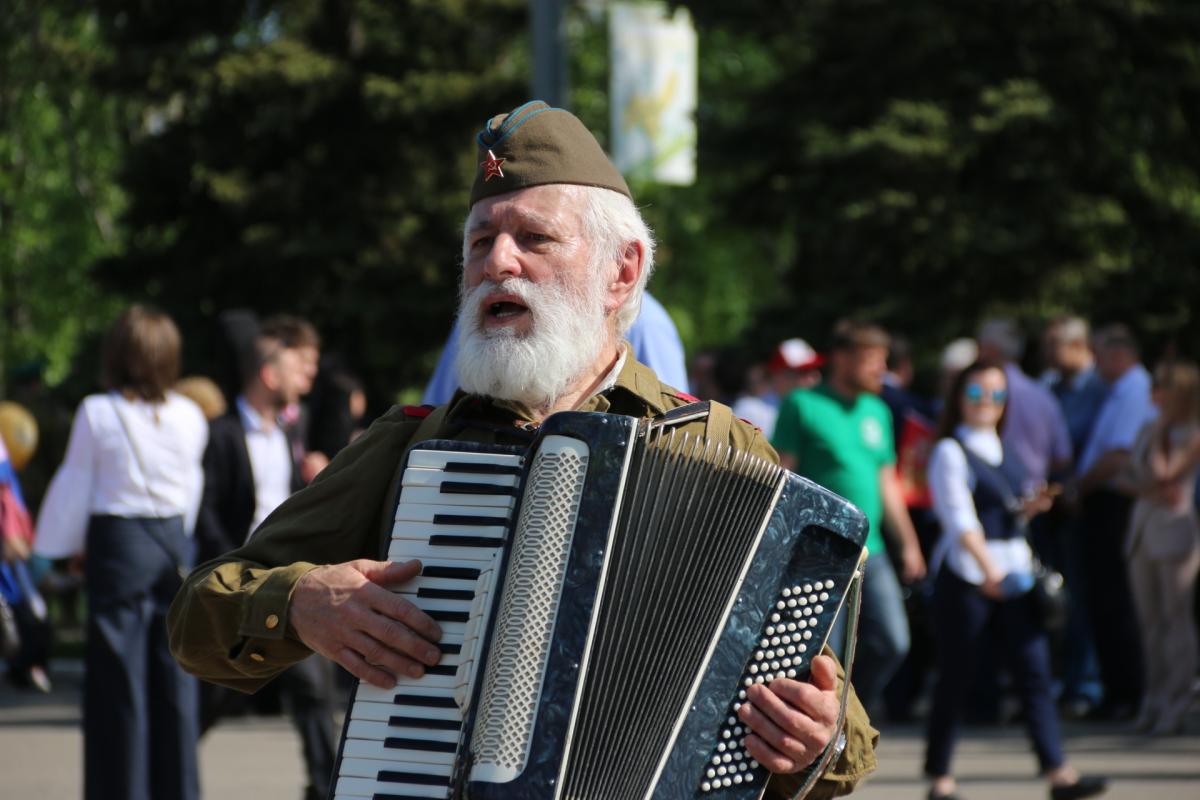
[555,261]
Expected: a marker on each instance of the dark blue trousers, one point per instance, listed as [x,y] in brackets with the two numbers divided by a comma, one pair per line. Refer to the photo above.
[139,707]
[963,617]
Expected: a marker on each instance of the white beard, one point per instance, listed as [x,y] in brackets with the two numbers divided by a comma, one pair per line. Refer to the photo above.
[565,339]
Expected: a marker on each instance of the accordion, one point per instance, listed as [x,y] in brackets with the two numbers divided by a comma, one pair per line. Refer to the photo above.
[606,596]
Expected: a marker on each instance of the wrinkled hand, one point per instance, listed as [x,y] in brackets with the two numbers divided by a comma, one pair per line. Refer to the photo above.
[912,564]
[792,722]
[345,613]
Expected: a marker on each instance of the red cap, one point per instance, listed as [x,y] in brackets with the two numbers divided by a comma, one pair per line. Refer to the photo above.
[794,354]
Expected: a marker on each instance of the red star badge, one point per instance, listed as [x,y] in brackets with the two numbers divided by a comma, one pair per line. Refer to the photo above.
[491,167]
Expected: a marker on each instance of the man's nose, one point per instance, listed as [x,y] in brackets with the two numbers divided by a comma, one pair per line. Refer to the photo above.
[502,261]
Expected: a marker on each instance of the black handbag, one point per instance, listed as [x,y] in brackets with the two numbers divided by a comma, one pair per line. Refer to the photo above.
[1050,597]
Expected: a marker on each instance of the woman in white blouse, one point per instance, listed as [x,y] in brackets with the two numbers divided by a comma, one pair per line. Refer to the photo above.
[126,497]
[984,573]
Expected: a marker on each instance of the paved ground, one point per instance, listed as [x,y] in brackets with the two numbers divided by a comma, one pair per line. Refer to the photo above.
[259,757]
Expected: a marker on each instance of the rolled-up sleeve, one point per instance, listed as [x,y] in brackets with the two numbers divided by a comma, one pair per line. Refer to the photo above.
[950,487]
[229,623]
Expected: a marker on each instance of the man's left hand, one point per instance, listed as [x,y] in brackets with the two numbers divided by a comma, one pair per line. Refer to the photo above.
[792,722]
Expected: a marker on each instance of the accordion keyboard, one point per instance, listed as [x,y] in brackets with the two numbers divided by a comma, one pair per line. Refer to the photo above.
[453,513]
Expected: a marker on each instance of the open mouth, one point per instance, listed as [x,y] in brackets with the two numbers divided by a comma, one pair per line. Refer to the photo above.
[505,310]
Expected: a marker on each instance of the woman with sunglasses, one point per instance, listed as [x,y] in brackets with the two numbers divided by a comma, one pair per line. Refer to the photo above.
[984,571]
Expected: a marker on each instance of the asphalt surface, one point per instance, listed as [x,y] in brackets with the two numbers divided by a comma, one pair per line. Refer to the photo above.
[259,757]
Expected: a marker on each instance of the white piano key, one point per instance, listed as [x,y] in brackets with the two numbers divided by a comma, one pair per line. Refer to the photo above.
[426,513]
[420,476]
[370,768]
[433,496]
[373,748]
[382,712]
[365,787]
[366,729]
[373,694]
[421,531]
[437,459]
[450,584]
[483,556]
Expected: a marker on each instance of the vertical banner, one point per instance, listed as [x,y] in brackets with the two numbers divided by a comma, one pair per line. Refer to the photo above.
[652,95]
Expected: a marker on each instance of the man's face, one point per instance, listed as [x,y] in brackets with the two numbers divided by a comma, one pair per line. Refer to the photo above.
[534,314]
[286,374]
[535,235]
[310,359]
[863,368]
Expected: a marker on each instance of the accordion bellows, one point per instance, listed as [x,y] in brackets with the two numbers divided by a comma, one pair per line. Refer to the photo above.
[618,586]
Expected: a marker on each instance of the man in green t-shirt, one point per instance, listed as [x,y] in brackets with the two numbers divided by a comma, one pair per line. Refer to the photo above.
[839,434]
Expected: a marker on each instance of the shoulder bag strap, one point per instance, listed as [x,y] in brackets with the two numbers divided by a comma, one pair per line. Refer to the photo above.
[137,456]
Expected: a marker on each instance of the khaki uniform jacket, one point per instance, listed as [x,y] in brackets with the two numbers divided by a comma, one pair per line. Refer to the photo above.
[229,622]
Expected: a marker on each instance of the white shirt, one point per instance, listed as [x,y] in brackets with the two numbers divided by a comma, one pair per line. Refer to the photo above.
[101,473]
[952,486]
[1126,409]
[270,463]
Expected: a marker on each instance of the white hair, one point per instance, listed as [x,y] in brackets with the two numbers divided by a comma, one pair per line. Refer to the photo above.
[611,222]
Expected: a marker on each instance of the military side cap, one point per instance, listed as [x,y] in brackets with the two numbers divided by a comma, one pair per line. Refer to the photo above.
[536,144]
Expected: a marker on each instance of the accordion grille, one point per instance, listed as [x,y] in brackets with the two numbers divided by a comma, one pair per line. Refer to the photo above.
[690,521]
[521,644]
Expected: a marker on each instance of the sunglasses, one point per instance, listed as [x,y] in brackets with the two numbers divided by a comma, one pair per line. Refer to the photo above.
[973,393]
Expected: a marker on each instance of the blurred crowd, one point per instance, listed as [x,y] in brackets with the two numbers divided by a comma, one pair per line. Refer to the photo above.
[1033,539]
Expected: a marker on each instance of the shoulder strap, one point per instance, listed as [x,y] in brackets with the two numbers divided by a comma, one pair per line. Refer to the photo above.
[180,569]
[719,423]
[430,425]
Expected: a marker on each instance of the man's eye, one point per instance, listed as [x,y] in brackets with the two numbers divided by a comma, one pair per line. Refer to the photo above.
[536,237]
[481,242]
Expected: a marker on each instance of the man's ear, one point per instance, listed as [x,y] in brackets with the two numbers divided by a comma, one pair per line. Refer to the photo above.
[629,270]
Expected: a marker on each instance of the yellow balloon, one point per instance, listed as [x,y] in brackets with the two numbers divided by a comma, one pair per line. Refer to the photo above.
[19,431]
[204,393]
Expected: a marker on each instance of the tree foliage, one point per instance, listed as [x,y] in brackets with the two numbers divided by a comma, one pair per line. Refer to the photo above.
[59,152]
[932,161]
[310,157]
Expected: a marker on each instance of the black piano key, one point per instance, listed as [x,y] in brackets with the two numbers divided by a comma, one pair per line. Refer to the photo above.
[442,615]
[392,776]
[441,669]
[442,540]
[446,594]
[425,700]
[469,520]
[481,469]
[462,487]
[397,743]
[422,722]
[449,649]
[453,573]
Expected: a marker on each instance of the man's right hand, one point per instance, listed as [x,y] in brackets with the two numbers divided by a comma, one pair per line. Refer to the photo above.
[346,613]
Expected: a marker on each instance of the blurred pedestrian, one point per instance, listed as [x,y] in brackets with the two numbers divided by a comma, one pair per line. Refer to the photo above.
[1034,430]
[839,434]
[984,573]
[253,462]
[1105,518]
[1163,546]
[1072,378]
[126,496]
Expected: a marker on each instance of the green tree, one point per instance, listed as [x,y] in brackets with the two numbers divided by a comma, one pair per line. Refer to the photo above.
[59,152]
[310,156]
[930,161]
